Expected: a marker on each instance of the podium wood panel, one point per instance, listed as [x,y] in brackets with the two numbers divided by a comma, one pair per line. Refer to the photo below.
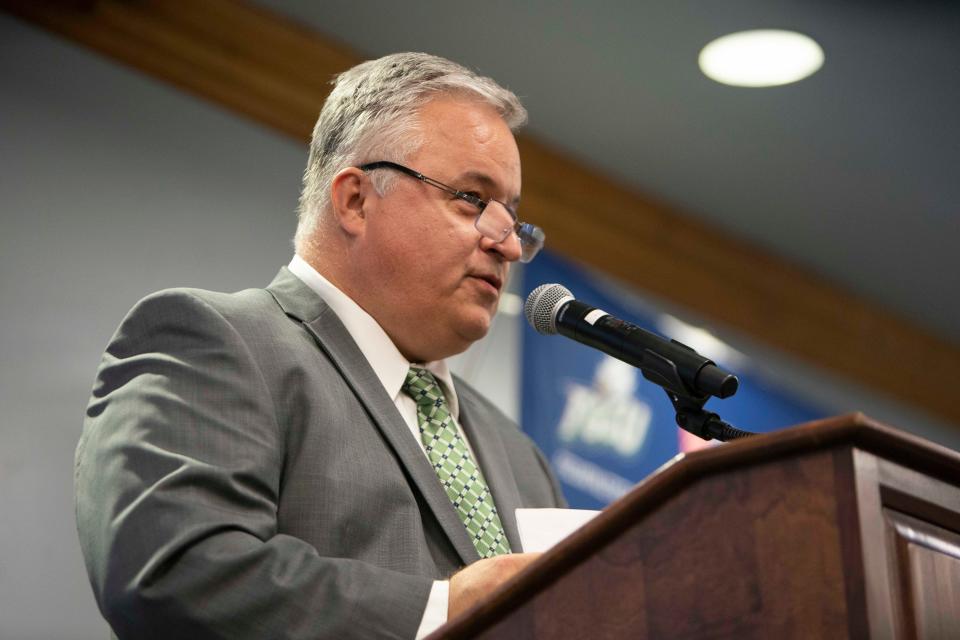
[837,529]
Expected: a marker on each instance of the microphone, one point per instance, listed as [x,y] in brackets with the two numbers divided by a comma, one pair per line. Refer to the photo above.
[551,309]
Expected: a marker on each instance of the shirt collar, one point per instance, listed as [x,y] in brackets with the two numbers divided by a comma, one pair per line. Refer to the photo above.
[386,360]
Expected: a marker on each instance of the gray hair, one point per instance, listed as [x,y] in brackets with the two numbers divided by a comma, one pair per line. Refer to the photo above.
[371,114]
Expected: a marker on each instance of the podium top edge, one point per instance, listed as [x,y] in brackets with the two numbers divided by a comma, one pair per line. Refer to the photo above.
[854,429]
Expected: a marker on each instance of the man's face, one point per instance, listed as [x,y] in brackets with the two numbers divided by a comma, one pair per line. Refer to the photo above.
[435,281]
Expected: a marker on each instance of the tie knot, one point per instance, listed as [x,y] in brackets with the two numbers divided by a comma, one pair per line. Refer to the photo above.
[422,387]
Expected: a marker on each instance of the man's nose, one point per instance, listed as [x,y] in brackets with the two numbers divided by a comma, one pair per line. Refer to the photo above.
[509,248]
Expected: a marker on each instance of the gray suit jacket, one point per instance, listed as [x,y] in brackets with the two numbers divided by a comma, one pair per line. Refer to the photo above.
[243,474]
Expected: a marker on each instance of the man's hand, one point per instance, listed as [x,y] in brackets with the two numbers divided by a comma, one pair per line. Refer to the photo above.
[473,583]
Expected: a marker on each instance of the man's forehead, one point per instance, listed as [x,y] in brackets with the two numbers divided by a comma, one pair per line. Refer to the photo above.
[470,142]
[460,120]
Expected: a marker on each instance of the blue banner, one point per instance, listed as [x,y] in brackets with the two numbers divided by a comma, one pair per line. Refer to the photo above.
[601,424]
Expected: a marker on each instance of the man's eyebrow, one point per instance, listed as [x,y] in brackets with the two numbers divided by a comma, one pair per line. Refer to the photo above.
[485,181]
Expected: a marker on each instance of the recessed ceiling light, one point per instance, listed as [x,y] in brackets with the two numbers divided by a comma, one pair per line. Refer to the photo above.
[761,58]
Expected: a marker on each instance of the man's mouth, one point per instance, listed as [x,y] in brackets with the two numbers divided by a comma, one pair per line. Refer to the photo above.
[492,279]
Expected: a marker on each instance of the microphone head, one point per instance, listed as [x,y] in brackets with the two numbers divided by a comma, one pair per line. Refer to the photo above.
[542,305]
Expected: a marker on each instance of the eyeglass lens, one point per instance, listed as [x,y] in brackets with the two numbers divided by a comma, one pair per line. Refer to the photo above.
[497,223]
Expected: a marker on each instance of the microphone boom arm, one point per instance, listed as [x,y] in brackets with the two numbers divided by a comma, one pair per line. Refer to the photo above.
[691,416]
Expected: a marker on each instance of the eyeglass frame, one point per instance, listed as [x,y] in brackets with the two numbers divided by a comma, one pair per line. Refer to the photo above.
[530,236]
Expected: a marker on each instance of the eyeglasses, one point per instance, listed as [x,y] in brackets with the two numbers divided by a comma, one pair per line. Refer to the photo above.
[495,220]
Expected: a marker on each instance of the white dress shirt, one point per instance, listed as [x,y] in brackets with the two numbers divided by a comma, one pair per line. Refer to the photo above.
[391,368]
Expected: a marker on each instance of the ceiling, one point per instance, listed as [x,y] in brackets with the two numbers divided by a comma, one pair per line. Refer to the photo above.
[852,173]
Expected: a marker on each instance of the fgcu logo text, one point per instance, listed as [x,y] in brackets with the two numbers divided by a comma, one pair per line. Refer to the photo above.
[607,414]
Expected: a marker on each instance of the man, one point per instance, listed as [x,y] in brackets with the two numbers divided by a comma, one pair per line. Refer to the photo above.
[298,461]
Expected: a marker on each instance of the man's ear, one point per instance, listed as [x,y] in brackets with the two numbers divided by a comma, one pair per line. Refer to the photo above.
[350,194]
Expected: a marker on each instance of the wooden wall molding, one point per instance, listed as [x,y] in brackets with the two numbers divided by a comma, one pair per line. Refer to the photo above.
[277,73]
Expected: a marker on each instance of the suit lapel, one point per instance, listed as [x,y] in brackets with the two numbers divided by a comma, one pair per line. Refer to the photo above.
[301,302]
[478,424]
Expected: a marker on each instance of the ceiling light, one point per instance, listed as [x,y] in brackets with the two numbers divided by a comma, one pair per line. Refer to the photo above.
[761,58]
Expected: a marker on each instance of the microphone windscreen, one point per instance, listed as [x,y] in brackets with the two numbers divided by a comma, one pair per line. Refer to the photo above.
[541,307]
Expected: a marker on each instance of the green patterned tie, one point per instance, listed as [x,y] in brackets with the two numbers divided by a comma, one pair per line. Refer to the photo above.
[459,475]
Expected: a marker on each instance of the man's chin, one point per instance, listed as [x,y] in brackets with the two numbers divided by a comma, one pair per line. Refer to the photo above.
[476,327]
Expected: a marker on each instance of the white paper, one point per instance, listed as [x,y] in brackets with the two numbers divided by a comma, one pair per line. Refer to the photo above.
[540,529]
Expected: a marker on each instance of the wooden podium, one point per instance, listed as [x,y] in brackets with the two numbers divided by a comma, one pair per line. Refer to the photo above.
[840,528]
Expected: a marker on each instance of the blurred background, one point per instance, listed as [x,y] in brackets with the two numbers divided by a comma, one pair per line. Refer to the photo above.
[802,235]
